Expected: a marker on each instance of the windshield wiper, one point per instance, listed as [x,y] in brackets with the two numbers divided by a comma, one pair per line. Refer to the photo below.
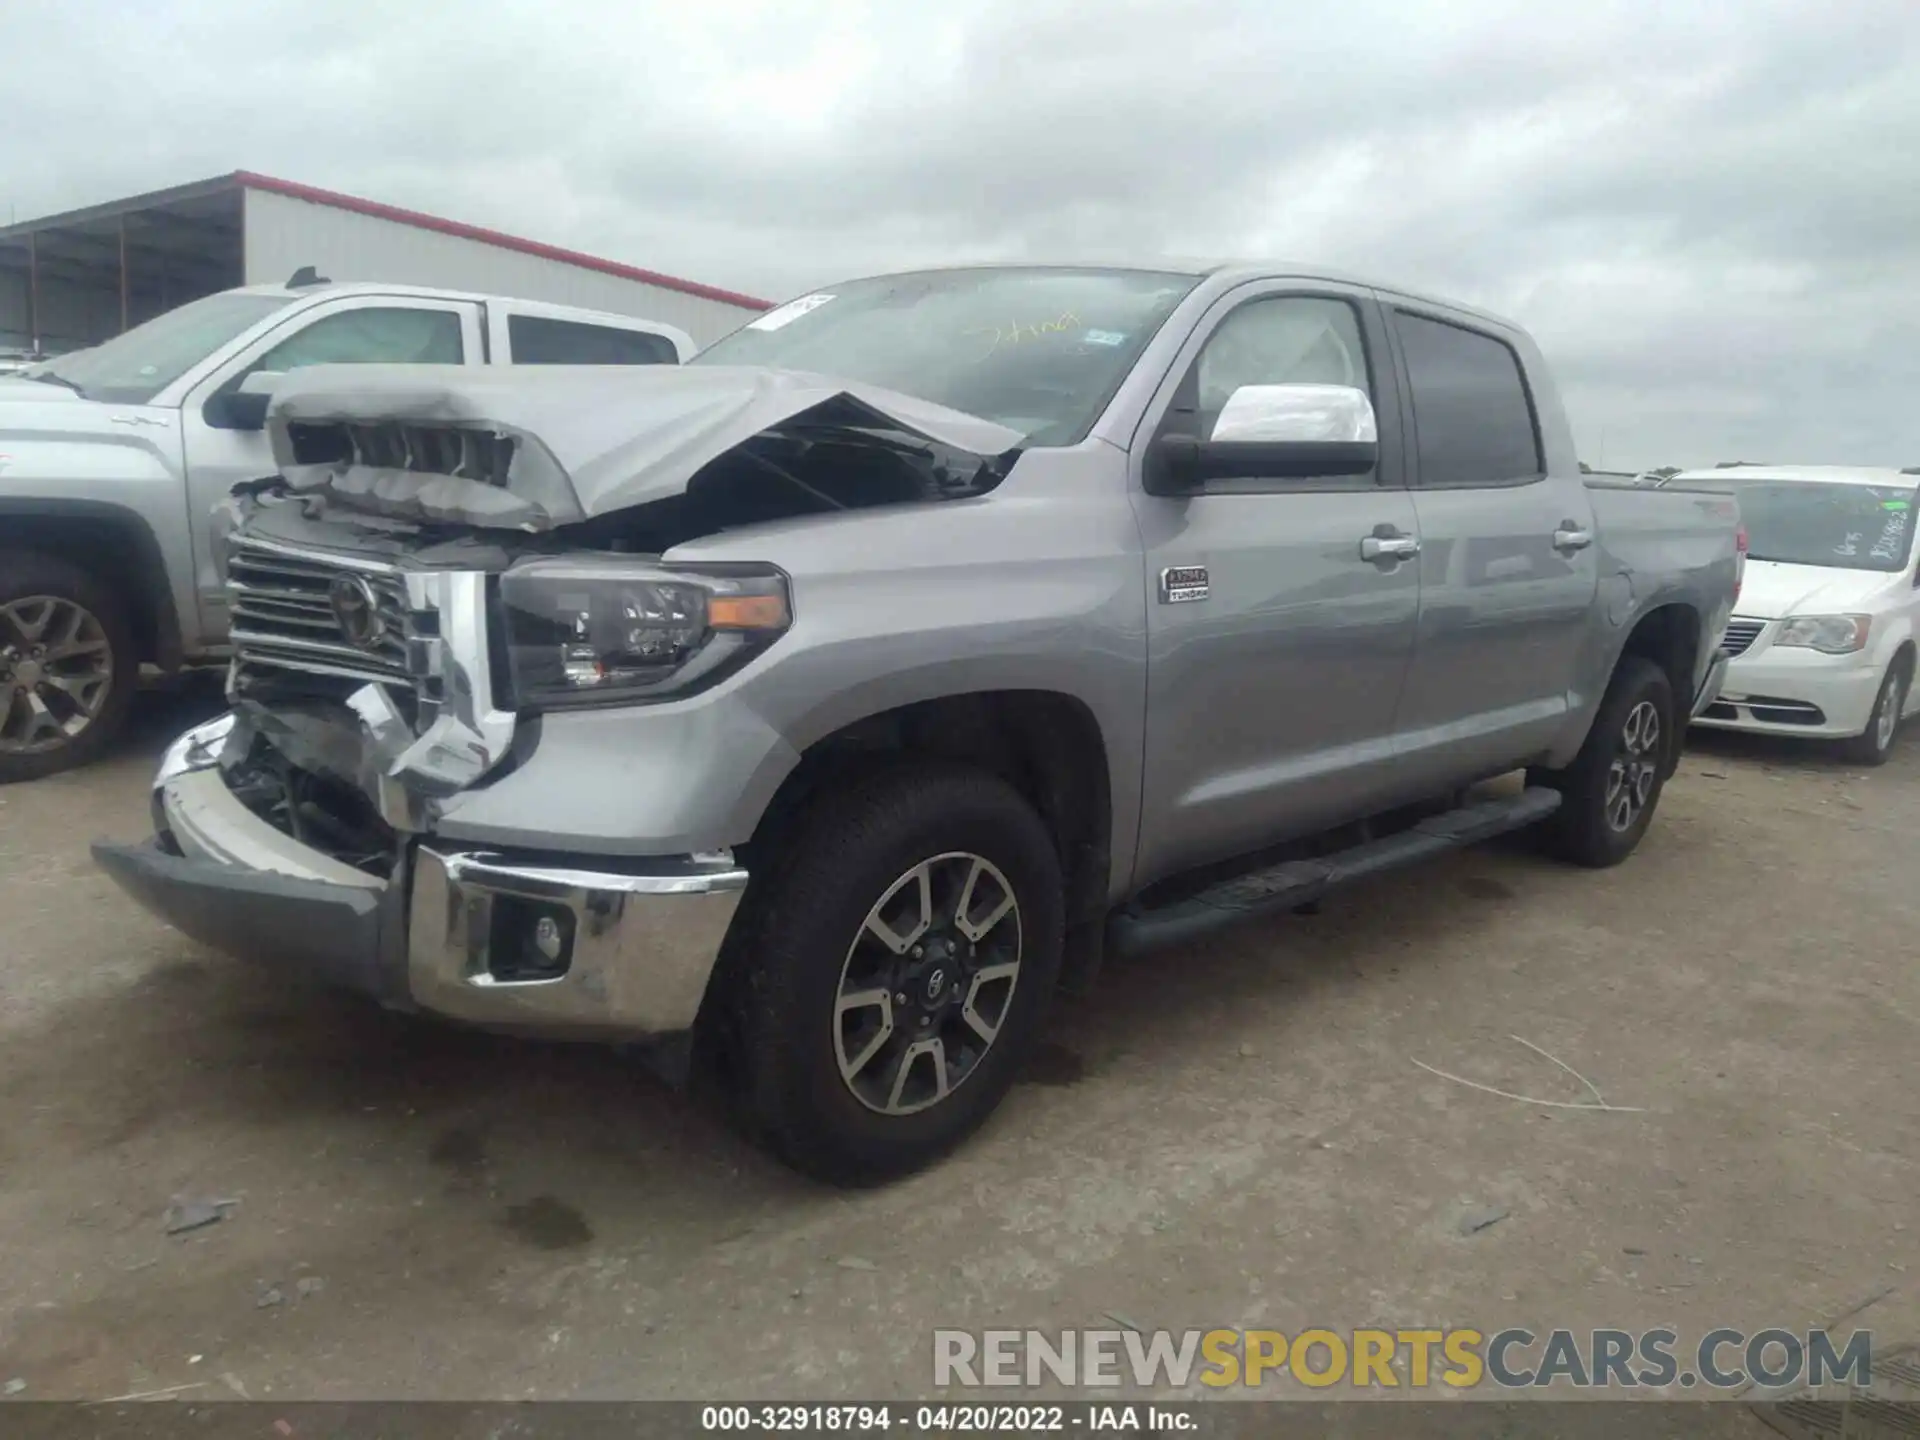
[52,379]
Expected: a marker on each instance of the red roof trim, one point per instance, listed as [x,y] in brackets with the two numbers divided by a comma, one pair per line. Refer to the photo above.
[316,196]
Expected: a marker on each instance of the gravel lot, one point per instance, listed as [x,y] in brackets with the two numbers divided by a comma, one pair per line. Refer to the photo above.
[1232,1134]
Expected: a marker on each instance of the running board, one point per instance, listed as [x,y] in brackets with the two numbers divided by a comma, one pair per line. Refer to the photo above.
[1293,883]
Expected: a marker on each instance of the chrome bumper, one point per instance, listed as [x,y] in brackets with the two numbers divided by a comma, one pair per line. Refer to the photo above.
[641,941]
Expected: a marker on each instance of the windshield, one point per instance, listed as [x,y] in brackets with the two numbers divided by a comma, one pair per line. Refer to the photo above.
[1844,527]
[1039,351]
[131,369]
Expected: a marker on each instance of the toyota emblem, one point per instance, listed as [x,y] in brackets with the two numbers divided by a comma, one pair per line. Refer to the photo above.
[357,609]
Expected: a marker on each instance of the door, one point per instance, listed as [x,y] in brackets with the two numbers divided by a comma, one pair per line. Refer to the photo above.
[361,330]
[1508,563]
[1275,651]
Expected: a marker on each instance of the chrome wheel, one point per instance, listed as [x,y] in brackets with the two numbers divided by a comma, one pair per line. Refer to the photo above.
[56,671]
[1635,767]
[1892,700]
[927,984]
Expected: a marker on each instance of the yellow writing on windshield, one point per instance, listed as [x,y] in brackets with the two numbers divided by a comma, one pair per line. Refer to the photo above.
[995,336]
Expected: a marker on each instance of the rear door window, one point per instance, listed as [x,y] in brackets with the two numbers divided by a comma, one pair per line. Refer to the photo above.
[538,340]
[1472,417]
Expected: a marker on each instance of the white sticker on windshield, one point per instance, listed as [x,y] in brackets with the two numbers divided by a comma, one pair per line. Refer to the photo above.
[788,313]
[1103,337]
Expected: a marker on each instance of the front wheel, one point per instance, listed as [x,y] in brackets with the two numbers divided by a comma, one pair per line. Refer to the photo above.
[1609,792]
[896,963]
[1873,745]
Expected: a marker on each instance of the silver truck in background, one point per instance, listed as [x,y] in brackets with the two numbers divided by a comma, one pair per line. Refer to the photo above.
[112,460]
[815,710]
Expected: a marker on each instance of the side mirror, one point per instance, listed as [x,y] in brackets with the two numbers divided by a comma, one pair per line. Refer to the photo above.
[1283,431]
[244,406]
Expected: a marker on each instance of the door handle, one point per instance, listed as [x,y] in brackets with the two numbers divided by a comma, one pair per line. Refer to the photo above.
[1570,537]
[1389,547]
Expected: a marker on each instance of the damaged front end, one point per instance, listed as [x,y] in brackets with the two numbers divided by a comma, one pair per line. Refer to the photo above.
[446,549]
[444,559]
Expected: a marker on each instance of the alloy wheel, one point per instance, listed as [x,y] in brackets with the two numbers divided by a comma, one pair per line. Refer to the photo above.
[56,672]
[927,984]
[1887,720]
[1635,767]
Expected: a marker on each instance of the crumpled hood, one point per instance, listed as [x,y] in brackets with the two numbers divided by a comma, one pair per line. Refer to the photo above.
[1773,590]
[582,440]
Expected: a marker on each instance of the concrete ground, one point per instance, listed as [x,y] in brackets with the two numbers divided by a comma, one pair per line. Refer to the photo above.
[1235,1134]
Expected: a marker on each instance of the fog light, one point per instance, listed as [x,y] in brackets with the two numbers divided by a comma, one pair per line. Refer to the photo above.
[528,939]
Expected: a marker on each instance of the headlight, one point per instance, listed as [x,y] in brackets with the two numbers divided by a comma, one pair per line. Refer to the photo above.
[607,630]
[1830,634]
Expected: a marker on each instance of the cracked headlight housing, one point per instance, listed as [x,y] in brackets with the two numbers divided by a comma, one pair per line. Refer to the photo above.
[604,630]
[1829,634]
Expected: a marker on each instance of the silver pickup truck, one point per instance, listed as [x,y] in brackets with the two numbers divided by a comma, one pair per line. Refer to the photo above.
[815,711]
[112,459]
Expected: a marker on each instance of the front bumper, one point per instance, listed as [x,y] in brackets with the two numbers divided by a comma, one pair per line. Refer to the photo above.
[1777,691]
[448,931]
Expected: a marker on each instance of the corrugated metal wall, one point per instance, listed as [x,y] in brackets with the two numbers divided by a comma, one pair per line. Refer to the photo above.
[283,234]
[71,313]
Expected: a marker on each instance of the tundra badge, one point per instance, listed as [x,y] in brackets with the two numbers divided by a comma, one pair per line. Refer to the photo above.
[1180,583]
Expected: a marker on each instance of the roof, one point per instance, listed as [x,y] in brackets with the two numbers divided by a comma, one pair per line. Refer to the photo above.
[1227,271]
[1816,474]
[433,292]
[240,180]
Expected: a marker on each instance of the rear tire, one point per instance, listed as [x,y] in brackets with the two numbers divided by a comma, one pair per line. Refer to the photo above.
[1874,745]
[68,667]
[1609,792]
[829,1021]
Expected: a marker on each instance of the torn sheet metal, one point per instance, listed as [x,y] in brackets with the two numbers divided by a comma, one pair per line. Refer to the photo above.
[583,440]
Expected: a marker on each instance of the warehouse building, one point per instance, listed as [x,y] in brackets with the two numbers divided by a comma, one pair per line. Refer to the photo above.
[72,280]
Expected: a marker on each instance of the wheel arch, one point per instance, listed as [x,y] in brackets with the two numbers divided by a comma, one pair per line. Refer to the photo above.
[114,543]
[1669,635]
[1047,744]
[1905,653]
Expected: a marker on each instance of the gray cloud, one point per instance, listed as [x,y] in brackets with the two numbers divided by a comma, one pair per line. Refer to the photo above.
[1705,212]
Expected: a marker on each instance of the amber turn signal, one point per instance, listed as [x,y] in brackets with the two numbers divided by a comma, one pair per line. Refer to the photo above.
[747,612]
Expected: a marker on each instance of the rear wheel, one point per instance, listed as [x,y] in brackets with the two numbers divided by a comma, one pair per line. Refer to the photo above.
[1609,792]
[893,971]
[67,666]
[1873,745]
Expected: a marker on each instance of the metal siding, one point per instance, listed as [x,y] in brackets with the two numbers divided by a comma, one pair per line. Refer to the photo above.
[72,313]
[282,234]
[13,308]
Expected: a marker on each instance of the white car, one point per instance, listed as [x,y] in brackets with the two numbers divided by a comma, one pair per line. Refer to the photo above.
[1823,632]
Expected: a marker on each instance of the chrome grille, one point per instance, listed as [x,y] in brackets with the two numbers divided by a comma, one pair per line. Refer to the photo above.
[283,616]
[1741,634]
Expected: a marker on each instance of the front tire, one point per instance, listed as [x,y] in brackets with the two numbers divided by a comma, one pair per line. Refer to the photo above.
[893,971]
[68,668]
[1609,792]
[1874,745]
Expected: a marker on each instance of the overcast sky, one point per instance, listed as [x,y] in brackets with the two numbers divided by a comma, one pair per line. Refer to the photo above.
[1709,214]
